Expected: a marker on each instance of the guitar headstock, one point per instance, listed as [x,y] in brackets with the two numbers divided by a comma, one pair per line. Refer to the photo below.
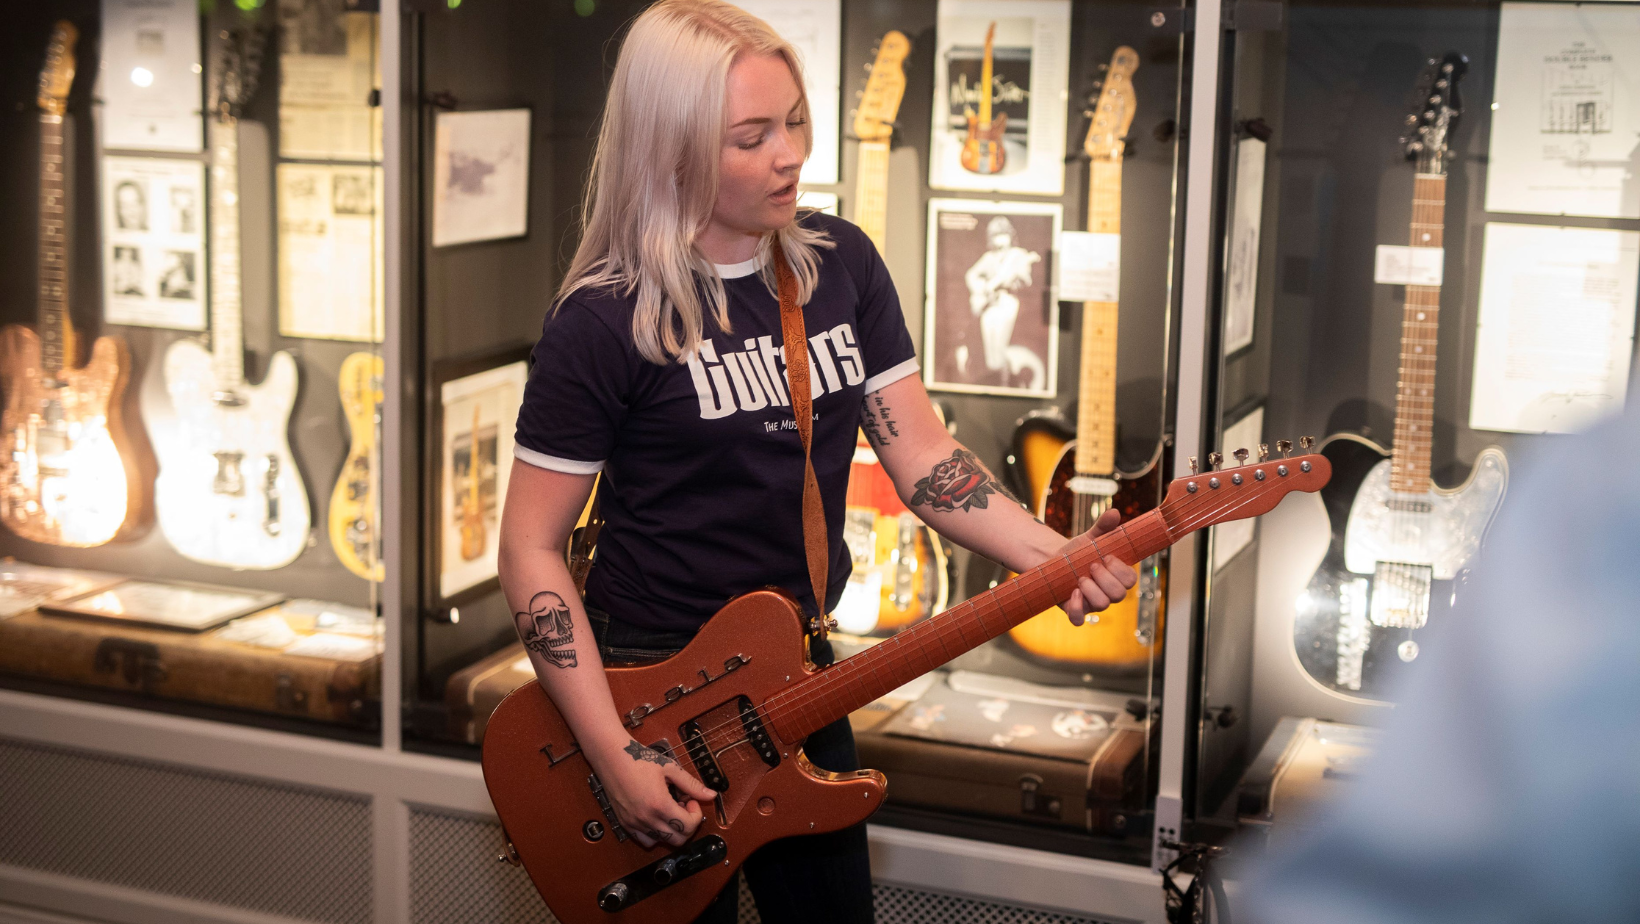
[880,102]
[1218,495]
[57,76]
[1435,114]
[1112,114]
[237,72]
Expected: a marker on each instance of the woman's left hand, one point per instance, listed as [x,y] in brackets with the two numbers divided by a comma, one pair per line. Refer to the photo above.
[1105,582]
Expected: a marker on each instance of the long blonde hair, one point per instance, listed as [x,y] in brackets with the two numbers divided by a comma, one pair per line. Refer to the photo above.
[654,178]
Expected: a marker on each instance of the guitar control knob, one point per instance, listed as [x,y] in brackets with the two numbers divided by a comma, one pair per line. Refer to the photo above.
[613,898]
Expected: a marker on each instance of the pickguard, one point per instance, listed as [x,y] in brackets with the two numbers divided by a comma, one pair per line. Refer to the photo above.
[1442,529]
[229,492]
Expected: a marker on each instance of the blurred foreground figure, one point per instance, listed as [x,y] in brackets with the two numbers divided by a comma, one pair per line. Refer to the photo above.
[1508,784]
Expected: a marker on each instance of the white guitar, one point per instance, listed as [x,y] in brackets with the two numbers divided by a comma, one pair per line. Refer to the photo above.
[228,491]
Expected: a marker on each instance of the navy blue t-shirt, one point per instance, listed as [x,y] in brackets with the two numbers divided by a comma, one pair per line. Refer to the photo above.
[703,468]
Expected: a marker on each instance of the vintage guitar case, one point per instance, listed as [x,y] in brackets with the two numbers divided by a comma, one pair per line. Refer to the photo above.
[473,692]
[200,667]
[1305,764]
[1000,747]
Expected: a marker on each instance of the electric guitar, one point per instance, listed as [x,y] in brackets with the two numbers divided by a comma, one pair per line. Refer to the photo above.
[1399,541]
[473,538]
[65,475]
[228,491]
[1071,482]
[899,572]
[982,149]
[874,126]
[353,507]
[735,706]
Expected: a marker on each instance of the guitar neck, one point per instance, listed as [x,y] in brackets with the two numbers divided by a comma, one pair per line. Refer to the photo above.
[871,193]
[985,86]
[1096,397]
[55,332]
[853,682]
[227,333]
[1415,400]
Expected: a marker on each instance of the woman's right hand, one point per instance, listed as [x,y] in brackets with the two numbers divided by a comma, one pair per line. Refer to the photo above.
[635,781]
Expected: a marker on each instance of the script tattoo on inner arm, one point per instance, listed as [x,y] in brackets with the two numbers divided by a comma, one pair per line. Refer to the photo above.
[639,752]
[877,419]
[959,483]
[548,629]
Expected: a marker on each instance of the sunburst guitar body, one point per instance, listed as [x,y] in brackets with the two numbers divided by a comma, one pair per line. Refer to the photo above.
[353,502]
[65,477]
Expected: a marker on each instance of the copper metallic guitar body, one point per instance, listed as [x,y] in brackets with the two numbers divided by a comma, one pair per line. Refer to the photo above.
[736,705]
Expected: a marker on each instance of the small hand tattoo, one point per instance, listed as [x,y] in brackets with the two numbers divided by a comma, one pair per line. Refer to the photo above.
[548,629]
[639,752]
[675,825]
[958,483]
[876,418]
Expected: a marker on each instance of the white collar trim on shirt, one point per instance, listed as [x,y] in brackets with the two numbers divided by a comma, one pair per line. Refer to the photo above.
[737,270]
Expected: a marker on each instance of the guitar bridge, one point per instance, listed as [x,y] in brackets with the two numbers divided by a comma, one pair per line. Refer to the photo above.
[1400,595]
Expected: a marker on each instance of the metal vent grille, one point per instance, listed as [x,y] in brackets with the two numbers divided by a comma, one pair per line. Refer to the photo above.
[898,905]
[215,838]
[455,879]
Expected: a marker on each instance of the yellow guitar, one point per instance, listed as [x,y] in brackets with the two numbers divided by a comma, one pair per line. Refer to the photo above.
[473,536]
[353,503]
[874,126]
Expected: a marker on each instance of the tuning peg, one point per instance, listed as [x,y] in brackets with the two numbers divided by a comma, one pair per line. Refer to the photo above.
[1306,442]
[1284,447]
[1192,465]
[1241,456]
[1104,67]
[1263,451]
[1214,459]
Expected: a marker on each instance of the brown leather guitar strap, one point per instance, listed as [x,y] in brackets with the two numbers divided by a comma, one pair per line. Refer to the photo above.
[797,374]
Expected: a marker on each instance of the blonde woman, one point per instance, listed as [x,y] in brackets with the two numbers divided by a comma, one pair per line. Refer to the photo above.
[661,365]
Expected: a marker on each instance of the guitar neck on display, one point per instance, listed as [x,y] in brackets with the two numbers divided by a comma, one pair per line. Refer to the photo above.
[1396,535]
[65,475]
[1073,482]
[874,126]
[735,706]
[982,149]
[473,538]
[354,511]
[229,492]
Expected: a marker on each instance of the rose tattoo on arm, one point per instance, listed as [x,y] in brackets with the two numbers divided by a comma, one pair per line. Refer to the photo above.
[959,483]
[548,629]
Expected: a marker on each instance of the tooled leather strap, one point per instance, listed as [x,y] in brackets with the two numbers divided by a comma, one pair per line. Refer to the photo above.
[797,374]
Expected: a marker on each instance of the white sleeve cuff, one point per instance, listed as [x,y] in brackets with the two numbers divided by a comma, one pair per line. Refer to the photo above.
[891,375]
[555,464]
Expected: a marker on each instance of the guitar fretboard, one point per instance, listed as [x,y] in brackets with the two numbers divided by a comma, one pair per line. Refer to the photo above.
[1415,385]
[227,334]
[53,269]
[871,192]
[1096,400]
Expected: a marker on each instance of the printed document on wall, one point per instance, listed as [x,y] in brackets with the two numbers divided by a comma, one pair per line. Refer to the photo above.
[1566,111]
[149,85]
[330,251]
[1556,327]
[815,29]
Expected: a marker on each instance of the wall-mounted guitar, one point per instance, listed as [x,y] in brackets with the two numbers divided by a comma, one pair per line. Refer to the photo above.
[65,476]
[1072,482]
[982,149]
[874,126]
[1399,542]
[228,491]
[354,511]
[736,705]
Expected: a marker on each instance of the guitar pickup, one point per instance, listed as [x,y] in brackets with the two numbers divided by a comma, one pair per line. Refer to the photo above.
[701,754]
[757,735]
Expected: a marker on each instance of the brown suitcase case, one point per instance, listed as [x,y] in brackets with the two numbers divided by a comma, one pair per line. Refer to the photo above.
[473,692]
[1007,749]
[1305,764]
[199,667]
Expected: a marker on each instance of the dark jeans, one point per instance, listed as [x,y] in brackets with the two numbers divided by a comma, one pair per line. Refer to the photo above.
[819,878]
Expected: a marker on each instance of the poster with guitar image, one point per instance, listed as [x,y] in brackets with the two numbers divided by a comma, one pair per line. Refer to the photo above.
[991,323]
[477,412]
[1001,73]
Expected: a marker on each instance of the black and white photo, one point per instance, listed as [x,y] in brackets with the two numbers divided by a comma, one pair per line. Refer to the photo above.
[481,176]
[154,241]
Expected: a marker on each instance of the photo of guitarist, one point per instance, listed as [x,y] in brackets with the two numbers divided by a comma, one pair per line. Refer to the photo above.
[662,366]
[1001,271]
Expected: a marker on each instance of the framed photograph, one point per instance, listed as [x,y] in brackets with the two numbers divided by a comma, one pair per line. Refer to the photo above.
[330,252]
[474,418]
[991,321]
[481,176]
[1022,147]
[24,586]
[153,218]
[166,604]
[815,29]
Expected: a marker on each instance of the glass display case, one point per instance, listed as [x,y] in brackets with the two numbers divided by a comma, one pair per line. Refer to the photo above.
[1046,735]
[1428,231]
[191,363]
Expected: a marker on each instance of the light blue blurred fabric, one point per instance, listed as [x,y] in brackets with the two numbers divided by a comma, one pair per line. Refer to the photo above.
[1507,786]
